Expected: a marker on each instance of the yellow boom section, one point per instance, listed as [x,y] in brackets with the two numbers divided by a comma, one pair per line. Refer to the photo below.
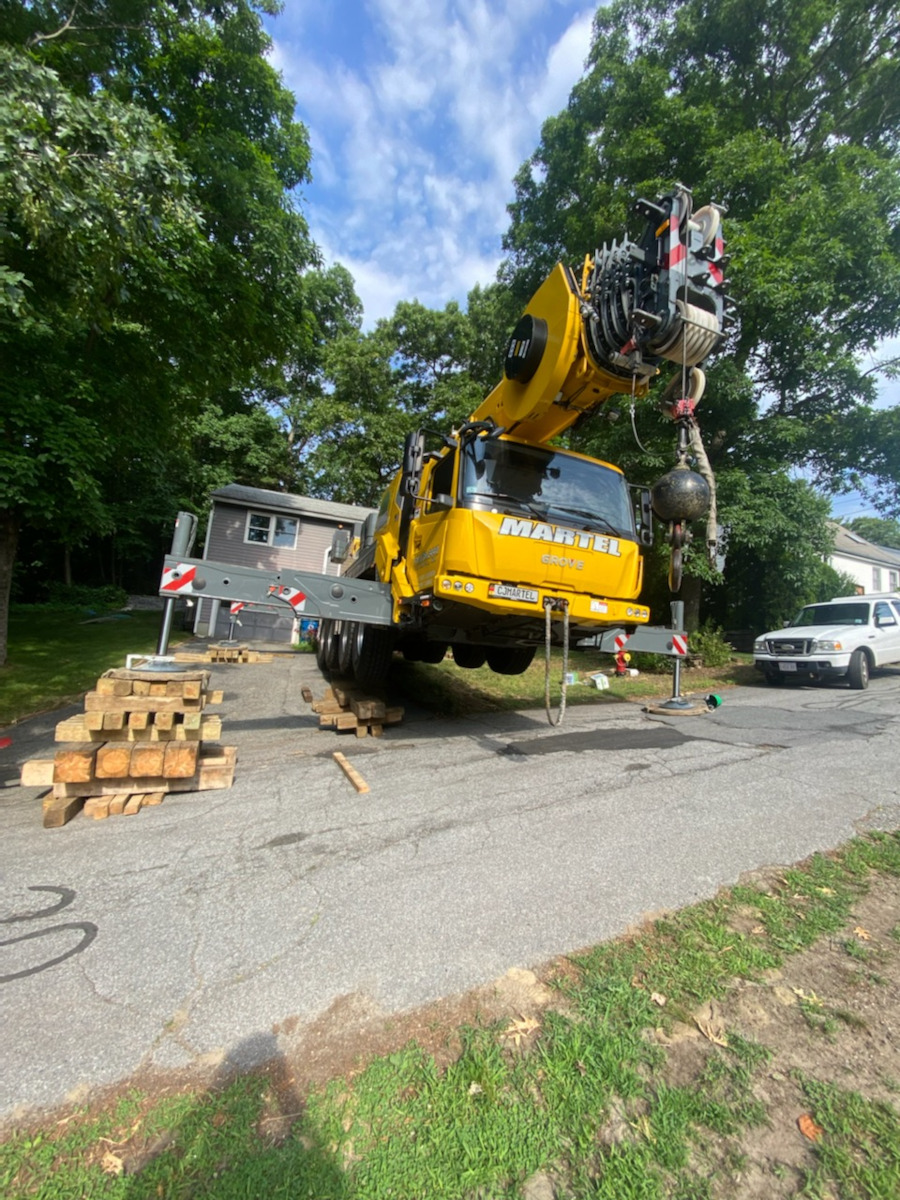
[566,382]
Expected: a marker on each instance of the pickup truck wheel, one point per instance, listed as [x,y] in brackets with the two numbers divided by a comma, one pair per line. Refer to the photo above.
[373,649]
[469,656]
[345,648]
[510,660]
[858,671]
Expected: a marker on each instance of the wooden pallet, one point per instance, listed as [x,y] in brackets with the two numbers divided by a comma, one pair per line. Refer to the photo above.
[344,708]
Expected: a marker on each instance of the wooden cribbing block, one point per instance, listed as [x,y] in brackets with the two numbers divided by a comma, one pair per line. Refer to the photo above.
[60,810]
[75,764]
[147,759]
[367,709]
[133,804]
[138,720]
[352,774]
[97,807]
[37,772]
[307,695]
[180,759]
[114,720]
[166,720]
[141,687]
[94,721]
[117,803]
[152,798]
[113,760]
[109,686]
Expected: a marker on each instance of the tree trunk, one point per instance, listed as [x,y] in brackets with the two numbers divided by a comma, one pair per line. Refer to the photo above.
[9,542]
[690,594]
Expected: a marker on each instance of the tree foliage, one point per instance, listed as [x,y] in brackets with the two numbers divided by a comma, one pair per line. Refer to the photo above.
[153,260]
[788,115]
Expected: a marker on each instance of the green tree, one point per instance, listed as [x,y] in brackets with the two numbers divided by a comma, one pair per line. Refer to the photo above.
[413,369]
[153,260]
[787,114]
[881,531]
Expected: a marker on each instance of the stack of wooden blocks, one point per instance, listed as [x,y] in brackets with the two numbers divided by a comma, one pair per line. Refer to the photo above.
[141,736]
[345,708]
[224,654]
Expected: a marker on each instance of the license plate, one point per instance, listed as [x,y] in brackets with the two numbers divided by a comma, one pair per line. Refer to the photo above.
[503,591]
[787,666]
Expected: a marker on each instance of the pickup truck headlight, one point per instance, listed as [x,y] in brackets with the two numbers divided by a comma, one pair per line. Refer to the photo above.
[827,647]
[759,646]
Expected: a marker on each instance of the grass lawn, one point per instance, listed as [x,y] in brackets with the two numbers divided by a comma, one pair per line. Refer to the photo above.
[55,655]
[736,1049]
[447,689]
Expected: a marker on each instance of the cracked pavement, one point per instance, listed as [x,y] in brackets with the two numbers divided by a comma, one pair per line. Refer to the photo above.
[199,932]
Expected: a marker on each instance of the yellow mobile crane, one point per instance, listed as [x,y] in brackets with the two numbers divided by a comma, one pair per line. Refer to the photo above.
[495,541]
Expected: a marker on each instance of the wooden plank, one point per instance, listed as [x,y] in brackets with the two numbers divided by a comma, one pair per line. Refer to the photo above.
[94,721]
[115,720]
[376,729]
[346,720]
[180,760]
[97,807]
[73,729]
[153,798]
[165,720]
[133,804]
[117,803]
[367,708]
[327,720]
[307,695]
[60,811]
[113,760]
[37,772]
[350,771]
[75,764]
[192,689]
[126,704]
[215,697]
[147,759]
[193,721]
[138,720]
[393,715]
[141,687]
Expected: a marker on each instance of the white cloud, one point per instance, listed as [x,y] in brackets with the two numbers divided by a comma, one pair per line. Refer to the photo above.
[415,146]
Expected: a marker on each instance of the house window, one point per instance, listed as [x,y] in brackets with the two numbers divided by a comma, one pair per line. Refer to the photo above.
[876,579]
[893,581]
[269,530]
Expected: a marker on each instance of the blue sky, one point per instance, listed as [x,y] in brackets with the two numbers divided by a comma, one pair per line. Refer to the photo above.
[420,112]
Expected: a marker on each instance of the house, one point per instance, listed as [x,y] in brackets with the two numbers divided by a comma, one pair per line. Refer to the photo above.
[874,568]
[252,527]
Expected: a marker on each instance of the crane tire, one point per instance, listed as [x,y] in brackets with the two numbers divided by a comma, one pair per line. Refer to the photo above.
[858,671]
[510,660]
[345,649]
[469,655]
[373,651]
[322,639]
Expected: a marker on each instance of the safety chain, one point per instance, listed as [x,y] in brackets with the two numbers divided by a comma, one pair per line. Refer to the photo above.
[549,605]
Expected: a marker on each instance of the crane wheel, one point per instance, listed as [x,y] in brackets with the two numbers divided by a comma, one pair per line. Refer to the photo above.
[345,648]
[510,660]
[469,656]
[371,655]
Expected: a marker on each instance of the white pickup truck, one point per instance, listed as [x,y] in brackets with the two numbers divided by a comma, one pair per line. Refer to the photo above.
[841,638]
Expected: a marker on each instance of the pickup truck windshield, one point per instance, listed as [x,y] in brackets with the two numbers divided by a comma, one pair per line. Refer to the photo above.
[549,484]
[832,614]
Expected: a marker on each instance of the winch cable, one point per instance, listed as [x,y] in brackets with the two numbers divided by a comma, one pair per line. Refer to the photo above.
[549,605]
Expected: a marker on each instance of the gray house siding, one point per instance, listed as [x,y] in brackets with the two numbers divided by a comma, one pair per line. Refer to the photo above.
[227,542]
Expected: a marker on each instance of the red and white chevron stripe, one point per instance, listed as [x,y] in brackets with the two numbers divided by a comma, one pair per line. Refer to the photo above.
[178,579]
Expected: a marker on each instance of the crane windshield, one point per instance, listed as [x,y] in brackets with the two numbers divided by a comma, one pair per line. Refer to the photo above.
[512,477]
